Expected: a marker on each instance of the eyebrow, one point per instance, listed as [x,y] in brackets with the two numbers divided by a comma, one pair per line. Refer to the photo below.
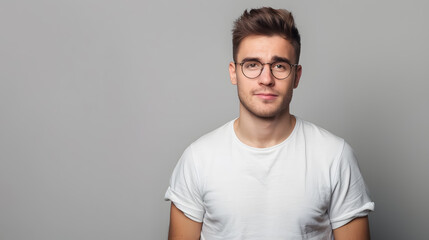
[273,59]
[247,59]
[280,59]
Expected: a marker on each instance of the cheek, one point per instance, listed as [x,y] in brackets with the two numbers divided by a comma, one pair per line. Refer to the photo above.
[241,90]
[243,87]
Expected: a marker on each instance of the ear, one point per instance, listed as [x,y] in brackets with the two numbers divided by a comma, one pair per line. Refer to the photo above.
[232,73]
[298,74]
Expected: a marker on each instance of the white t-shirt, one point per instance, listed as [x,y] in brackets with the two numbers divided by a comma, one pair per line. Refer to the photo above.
[301,188]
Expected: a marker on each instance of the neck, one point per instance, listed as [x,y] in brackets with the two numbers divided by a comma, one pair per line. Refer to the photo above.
[264,132]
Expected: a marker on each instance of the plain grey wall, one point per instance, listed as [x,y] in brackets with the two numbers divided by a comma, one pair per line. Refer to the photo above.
[98,100]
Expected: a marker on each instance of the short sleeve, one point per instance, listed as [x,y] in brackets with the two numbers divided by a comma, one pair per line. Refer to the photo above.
[350,197]
[184,190]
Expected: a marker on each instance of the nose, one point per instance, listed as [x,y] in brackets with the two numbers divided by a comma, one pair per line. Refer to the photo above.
[266,78]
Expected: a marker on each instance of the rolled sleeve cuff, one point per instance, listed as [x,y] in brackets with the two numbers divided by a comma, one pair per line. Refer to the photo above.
[346,218]
[183,205]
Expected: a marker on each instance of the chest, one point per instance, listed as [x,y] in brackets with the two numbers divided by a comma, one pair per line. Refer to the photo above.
[280,193]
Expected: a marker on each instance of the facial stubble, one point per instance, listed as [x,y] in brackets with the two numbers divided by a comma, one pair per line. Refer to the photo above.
[265,113]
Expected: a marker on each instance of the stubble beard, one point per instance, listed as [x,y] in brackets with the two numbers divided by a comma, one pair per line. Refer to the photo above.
[265,113]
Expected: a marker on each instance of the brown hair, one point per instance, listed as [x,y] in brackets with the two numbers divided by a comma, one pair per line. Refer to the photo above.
[266,21]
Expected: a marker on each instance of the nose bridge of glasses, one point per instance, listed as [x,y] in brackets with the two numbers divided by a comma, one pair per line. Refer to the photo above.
[263,66]
[270,69]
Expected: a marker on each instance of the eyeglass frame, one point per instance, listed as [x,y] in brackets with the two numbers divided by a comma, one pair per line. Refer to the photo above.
[263,65]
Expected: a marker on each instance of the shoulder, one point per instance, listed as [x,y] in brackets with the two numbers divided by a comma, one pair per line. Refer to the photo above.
[213,141]
[199,153]
[319,135]
[320,142]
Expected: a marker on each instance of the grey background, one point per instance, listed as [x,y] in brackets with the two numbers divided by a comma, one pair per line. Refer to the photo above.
[98,100]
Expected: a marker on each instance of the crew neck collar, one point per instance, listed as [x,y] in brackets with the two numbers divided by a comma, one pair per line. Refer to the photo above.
[239,142]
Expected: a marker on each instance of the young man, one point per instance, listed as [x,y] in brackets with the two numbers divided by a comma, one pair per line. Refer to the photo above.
[267,174]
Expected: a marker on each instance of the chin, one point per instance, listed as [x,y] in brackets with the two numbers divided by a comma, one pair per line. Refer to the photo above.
[267,114]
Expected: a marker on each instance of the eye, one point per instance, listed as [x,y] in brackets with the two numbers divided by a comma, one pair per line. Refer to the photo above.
[252,65]
[280,66]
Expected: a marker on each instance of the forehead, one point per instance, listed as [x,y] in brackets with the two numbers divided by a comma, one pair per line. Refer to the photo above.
[265,48]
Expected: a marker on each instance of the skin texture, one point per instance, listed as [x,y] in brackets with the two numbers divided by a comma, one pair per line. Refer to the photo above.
[265,49]
[181,227]
[264,121]
[358,229]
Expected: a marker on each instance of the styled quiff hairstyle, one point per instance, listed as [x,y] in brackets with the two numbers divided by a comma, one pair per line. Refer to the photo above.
[266,21]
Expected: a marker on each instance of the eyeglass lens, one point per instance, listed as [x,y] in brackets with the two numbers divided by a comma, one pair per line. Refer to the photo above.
[253,69]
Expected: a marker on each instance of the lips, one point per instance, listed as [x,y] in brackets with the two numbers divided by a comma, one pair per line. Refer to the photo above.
[266,96]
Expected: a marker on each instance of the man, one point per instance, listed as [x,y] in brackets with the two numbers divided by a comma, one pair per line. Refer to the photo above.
[267,174]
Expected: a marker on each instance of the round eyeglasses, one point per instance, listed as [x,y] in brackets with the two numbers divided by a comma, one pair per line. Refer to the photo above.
[280,70]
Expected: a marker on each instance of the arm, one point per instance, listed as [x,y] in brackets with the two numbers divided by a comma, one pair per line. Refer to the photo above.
[357,229]
[181,227]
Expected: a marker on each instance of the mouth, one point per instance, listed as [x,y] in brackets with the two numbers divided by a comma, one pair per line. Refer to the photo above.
[266,96]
